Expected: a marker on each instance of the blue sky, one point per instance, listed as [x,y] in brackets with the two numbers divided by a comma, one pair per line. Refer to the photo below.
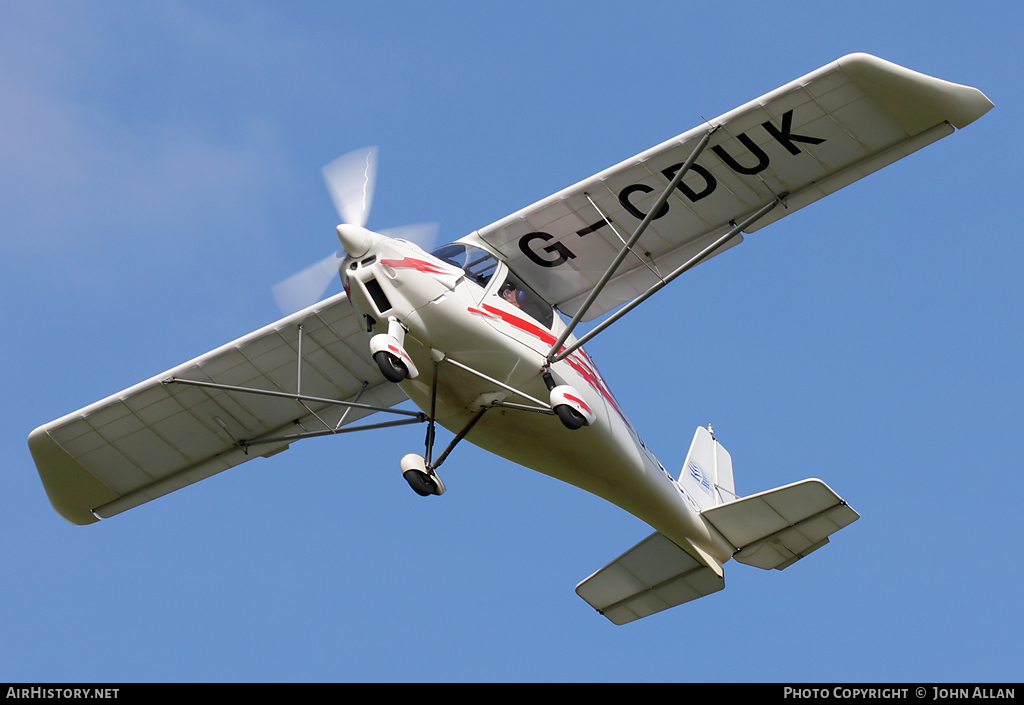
[160,171]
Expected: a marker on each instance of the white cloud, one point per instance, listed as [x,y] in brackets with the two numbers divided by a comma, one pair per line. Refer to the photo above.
[87,155]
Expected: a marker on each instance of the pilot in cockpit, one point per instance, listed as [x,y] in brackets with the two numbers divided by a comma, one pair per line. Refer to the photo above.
[512,294]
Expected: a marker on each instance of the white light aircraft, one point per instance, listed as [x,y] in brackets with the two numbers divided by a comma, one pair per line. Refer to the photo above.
[469,332]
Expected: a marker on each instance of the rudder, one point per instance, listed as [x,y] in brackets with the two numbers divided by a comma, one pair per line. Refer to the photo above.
[707,471]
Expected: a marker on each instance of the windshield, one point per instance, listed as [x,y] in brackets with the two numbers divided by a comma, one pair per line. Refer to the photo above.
[478,264]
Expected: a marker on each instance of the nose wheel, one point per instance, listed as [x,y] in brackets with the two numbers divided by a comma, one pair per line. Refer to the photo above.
[424,481]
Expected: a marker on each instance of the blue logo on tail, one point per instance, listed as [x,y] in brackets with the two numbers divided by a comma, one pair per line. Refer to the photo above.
[699,477]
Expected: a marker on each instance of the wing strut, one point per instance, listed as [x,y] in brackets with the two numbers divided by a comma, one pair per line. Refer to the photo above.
[542,407]
[329,432]
[415,416]
[650,265]
[689,264]
[628,246]
[419,415]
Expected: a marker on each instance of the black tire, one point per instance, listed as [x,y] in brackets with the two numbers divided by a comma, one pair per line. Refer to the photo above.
[393,369]
[420,483]
[569,417]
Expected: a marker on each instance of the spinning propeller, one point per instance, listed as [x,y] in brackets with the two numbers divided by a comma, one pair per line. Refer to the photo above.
[350,180]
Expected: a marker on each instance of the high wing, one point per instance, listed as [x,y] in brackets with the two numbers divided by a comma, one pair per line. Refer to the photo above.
[794,145]
[162,435]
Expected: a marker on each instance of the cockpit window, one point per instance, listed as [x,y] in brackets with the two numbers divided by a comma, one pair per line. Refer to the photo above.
[515,292]
[478,264]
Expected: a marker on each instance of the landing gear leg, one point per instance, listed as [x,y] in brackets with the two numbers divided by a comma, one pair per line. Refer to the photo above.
[433,412]
[571,417]
[421,475]
[416,469]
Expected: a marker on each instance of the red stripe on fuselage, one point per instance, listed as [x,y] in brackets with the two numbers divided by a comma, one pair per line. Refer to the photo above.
[582,363]
[518,322]
[579,401]
[480,313]
[417,264]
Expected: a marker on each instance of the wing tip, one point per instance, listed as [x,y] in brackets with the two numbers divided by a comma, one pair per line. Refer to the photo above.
[72,490]
[914,100]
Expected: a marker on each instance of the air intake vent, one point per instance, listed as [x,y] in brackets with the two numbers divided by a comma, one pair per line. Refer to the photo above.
[380,300]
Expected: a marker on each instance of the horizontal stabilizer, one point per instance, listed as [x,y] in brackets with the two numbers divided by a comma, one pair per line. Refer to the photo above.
[775,529]
[650,577]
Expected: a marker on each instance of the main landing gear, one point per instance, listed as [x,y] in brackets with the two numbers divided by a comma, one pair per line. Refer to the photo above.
[388,350]
[393,369]
[569,417]
[571,410]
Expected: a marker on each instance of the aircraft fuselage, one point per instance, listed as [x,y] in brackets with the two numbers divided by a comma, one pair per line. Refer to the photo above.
[449,318]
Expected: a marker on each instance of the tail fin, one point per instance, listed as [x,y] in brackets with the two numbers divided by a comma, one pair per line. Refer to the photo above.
[772,529]
[707,471]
